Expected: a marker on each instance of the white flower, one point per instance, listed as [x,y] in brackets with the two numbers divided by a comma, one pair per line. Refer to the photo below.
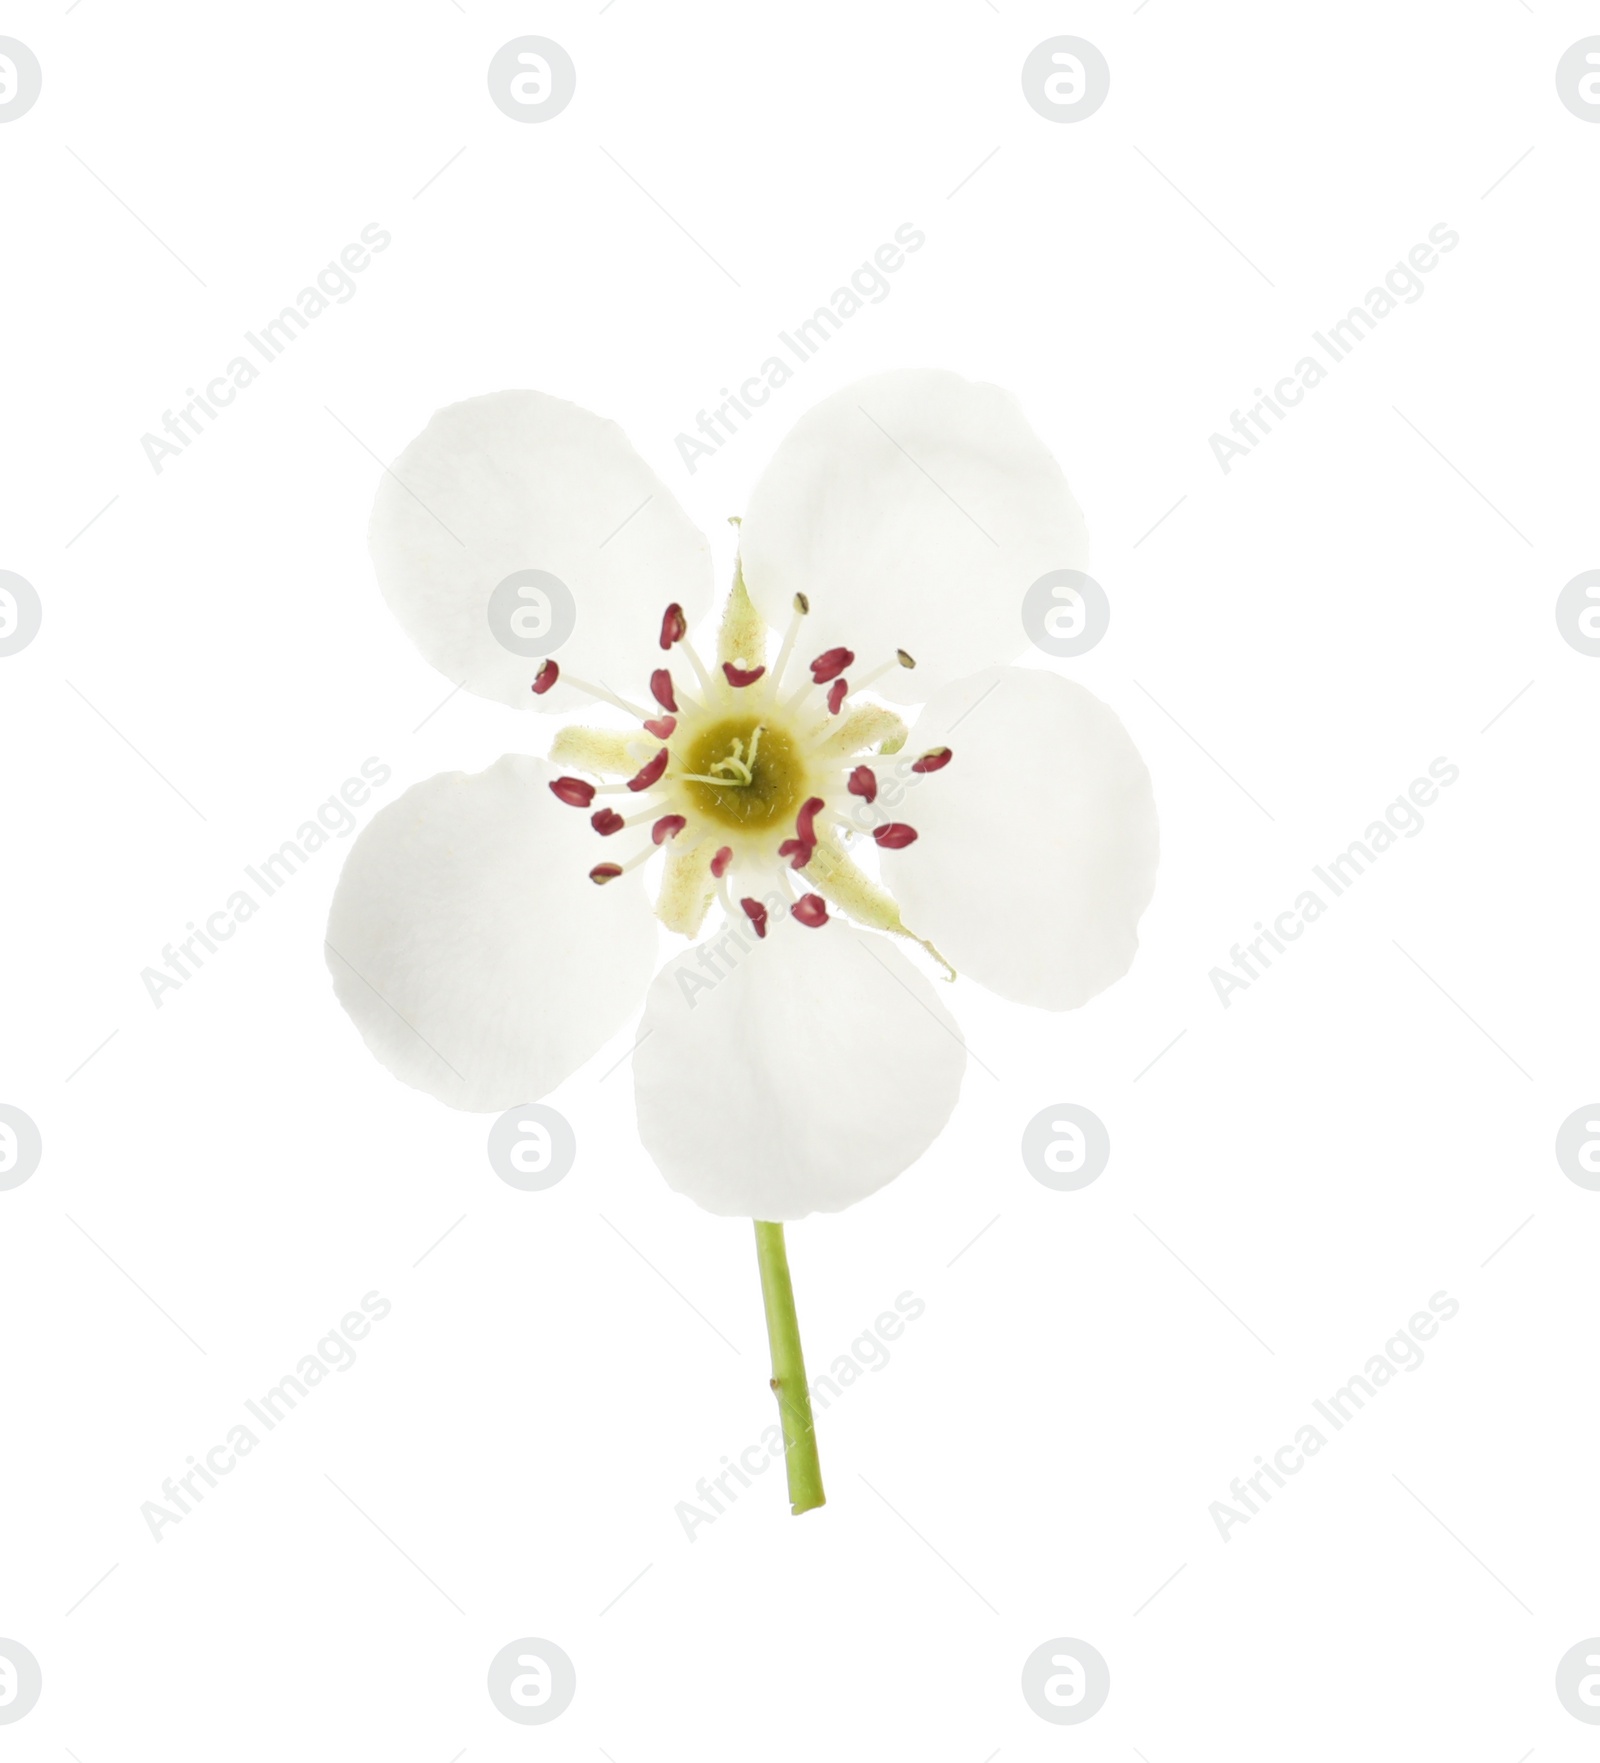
[795,1059]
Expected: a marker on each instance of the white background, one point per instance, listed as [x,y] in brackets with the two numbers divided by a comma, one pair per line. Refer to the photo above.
[1363,1127]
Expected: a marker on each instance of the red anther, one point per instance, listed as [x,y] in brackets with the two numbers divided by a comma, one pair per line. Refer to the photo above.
[830,664]
[799,849]
[573,791]
[741,676]
[837,693]
[650,775]
[662,726]
[673,625]
[864,783]
[545,678]
[604,872]
[668,827]
[757,914]
[661,689]
[895,835]
[607,821]
[935,759]
[719,863]
[811,910]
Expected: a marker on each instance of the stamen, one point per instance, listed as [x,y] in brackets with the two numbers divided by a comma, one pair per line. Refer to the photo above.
[650,775]
[573,791]
[661,689]
[757,914]
[901,659]
[545,678]
[837,693]
[801,607]
[605,872]
[741,676]
[830,664]
[662,727]
[811,910]
[719,863]
[667,827]
[935,759]
[606,696]
[864,783]
[895,835]
[799,850]
[607,821]
[706,686]
[675,629]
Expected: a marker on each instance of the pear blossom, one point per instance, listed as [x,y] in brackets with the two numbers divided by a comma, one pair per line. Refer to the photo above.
[762,790]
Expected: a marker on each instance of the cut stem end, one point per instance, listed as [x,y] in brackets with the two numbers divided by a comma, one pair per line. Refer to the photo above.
[789,1372]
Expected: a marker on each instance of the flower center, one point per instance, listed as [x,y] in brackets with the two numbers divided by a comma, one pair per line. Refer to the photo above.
[746,778]
[744,773]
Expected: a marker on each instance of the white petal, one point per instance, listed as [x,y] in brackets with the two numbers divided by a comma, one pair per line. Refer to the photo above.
[915,509]
[811,1073]
[520,481]
[1037,843]
[469,945]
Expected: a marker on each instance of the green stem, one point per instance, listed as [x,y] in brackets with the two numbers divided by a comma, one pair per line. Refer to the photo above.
[789,1371]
